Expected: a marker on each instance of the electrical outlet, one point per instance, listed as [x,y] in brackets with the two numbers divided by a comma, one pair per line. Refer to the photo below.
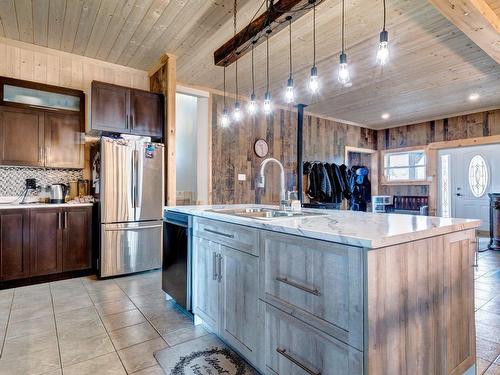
[242,177]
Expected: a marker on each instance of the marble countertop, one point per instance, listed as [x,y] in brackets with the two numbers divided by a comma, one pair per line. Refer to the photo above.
[362,229]
[13,206]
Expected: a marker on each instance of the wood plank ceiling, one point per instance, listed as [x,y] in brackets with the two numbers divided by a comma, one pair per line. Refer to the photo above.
[434,67]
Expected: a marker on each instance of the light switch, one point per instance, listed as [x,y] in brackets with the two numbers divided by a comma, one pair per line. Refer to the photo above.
[242,177]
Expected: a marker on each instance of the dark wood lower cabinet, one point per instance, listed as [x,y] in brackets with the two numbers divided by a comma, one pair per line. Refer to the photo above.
[14,244]
[44,241]
[77,238]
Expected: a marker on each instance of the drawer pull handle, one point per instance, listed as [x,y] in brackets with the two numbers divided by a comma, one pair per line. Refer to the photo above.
[219,233]
[297,362]
[298,286]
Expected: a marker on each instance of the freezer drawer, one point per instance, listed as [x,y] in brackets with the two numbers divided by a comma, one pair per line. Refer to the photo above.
[130,247]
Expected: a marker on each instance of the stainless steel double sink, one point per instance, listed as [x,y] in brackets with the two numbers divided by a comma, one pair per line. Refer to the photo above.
[265,213]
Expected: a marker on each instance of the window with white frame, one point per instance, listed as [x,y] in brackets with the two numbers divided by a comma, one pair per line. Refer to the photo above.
[405,166]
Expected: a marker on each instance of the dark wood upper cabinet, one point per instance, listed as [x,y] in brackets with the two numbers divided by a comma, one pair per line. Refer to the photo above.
[45,241]
[22,140]
[147,113]
[77,236]
[14,244]
[41,125]
[110,107]
[120,109]
[64,147]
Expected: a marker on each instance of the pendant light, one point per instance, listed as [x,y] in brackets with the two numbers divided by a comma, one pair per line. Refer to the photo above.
[290,92]
[344,76]
[314,80]
[237,105]
[225,115]
[252,104]
[267,96]
[383,47]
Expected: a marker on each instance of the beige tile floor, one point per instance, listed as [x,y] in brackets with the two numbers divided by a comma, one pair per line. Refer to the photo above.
[87,326]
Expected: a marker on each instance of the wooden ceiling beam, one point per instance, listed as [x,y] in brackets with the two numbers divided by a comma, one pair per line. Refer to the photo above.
[477,20]
[274,19]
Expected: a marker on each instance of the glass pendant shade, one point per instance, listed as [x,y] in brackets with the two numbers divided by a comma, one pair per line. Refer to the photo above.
[225,119]
[344,76]
[314,81]
[383,48]
[237,112]
[267,103]
[290,92]
[252,105]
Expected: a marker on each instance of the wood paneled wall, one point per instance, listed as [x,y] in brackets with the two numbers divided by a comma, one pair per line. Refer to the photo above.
[233,154]
[40,64]
[473,125]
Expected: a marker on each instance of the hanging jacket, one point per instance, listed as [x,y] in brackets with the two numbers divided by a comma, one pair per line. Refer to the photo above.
[326,186]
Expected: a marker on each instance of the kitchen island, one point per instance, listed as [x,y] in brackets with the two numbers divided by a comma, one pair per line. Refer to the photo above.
[337,292]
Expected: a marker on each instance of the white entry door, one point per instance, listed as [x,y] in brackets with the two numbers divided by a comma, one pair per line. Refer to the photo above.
[466,177]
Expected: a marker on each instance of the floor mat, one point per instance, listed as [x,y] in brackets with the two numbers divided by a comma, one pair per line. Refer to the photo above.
[206,355]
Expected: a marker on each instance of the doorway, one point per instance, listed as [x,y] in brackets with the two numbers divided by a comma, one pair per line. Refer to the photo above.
[466,176]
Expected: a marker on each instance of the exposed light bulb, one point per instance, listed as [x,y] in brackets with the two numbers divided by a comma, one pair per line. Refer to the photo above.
[290,92]
[252,105]
[225,119]
[237,112]
[314,81]
[344,76]
[383,48]
[267,103]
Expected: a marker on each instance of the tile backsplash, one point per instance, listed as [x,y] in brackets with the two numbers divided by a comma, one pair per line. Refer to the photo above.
[12,179]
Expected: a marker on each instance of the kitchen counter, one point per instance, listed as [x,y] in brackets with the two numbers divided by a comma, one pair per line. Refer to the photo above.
[17,206]
[362,229]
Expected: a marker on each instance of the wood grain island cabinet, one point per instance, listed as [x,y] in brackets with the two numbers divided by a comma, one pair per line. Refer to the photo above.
[293,305]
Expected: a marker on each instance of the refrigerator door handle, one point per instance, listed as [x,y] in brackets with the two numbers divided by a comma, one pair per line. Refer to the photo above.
[134,178]
[139,165]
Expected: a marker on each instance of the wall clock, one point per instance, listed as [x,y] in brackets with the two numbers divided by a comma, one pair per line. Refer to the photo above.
[261,148]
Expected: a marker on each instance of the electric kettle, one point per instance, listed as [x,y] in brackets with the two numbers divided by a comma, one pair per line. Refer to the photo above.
[58,193]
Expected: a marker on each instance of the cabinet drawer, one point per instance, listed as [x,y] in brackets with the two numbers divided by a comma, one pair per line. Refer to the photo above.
[318,282]
[236,236]
[295,348]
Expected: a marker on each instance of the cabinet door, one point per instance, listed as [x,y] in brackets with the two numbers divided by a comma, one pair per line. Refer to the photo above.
[77,224]
[21,137]
[63,141]
[146,113]
[45,241]
[239,296]
[14,242]
[206,282]
[110,107]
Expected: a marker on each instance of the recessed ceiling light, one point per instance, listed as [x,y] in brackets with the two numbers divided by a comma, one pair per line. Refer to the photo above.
[474,96]
[385,116]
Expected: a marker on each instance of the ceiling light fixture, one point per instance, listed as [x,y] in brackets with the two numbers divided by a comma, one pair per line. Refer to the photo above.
[225,115]
[344,76]
[474,96]
[385,116]
[237,105]
[267,96]
[314,80]
[383,47]
[289,92]
[252,104]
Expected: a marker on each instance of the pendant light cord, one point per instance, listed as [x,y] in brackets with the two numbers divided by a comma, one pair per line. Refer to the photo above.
[384,16]
[224,86]
[235,10]
[342,26]
[267,61]
[314,33]
[290,33]
[253,70]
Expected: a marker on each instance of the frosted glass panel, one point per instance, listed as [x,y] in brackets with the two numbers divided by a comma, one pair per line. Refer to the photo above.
[40,98]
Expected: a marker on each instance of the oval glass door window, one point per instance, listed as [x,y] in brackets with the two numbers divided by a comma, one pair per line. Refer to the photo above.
[478,176]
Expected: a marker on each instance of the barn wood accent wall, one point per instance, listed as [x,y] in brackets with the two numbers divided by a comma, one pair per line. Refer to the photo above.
[233,154]
[481,124]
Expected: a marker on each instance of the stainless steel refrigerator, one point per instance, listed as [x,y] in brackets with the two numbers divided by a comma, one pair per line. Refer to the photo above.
[131,205]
